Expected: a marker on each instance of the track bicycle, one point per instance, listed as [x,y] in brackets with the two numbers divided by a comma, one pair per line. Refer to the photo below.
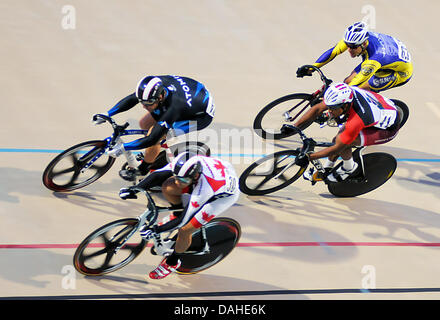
[116,244]
[278,170]
[84,163]
[287,109]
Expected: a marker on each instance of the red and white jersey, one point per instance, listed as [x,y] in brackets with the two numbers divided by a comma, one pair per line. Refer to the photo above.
[369,109]
[218,180]
[215,191]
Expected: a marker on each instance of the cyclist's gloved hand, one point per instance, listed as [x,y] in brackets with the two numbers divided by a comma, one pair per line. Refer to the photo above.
[96,120]
[116,151]
[302,160]
[303,71]
[127,193]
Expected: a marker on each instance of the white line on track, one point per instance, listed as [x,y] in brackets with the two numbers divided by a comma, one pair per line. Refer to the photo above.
[434,108]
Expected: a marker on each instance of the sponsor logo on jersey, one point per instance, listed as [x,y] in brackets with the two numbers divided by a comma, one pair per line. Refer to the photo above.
[185,89]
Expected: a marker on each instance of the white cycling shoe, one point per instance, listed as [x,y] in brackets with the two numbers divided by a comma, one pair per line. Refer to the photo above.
[341,174]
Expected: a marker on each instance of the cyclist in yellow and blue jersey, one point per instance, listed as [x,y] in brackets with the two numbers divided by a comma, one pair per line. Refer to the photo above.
[386,61]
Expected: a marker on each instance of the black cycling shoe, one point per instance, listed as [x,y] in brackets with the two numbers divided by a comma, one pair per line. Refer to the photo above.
[130,174]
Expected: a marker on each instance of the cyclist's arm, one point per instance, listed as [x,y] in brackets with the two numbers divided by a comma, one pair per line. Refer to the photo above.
[330,54]
[343,140]
[367,70]
[159,130]
[124,105]
[330,151]
[310,115]
[156,178]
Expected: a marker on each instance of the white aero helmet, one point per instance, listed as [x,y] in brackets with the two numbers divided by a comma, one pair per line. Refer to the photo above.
[337,95]
[356,34]
[186,165]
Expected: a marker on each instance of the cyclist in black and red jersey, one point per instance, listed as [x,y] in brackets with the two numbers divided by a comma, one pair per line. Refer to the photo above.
[370,119]
[172,102]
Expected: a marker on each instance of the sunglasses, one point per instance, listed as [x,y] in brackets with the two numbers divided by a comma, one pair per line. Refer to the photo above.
[352,46]
[184,180]
[149,102]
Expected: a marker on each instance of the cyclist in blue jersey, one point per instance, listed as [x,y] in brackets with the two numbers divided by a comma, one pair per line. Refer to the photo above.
[172,102]
[386,62]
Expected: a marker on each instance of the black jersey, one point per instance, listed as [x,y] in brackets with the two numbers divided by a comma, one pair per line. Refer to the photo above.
[187,99]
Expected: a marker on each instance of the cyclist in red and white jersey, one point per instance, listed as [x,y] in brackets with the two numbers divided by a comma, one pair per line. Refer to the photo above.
[370,119]
[213,187]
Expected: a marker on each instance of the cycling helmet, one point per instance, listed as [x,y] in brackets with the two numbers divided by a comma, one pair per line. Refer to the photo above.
[356,34]
[149,89]
[337,95]
[186,165]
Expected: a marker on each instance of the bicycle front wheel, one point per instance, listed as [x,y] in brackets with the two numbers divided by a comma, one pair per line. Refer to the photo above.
[96,254]
[284,110]
[271,173]
[66,172]
[222,235]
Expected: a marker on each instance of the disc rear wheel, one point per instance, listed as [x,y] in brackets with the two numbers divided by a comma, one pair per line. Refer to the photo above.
[223,235]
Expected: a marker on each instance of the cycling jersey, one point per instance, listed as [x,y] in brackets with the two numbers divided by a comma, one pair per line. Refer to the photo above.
[215,191]
[187,105]
[369,110]
[386,62]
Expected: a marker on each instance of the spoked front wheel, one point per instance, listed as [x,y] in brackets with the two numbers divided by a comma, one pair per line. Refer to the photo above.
[97,255]
[284,110]
[222,235]
[66,172]
[271,173]
[379,167]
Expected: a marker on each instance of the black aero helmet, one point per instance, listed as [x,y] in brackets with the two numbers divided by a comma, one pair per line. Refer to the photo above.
[186,165]
[149,89]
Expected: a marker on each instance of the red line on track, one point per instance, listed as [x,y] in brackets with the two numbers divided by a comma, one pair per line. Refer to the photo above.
[249,244]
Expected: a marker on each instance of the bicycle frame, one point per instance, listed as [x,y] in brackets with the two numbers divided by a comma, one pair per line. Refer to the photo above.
[309,146]
[115,139]
[149,217]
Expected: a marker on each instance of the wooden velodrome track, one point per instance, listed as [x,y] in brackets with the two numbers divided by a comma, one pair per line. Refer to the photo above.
[298,243]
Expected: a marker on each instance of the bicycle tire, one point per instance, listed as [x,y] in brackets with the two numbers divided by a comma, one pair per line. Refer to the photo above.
[379,168]
[273,171]
[405,111]
[266,133]
[223,235]
[73,152]
[107,248]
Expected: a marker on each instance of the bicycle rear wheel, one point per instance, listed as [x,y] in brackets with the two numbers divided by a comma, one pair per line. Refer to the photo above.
[379,168]
[271,173]
[269,120]
[405,111]
[64,172]
[96,254]
[223,235]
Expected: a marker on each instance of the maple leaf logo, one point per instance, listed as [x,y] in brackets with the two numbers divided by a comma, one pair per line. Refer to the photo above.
[206,216]
[219,166]
[195,204]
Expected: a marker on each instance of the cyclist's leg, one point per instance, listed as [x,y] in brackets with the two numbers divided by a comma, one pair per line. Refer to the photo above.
[147,122]
[387,79]
[372,136]
[202,217]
